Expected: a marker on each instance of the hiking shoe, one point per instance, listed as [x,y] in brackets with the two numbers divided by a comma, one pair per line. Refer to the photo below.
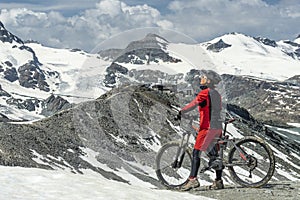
[192,183]
[217,184]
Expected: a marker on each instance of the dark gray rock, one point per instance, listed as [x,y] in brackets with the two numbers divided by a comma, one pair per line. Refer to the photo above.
[266,41]
[11,74]
[113,72]
[294,44]
[31,76]
[27,104]
[294,54]
[218,46]
[54,104]
[145,56]
[49,106]
[9,64]
[75,50]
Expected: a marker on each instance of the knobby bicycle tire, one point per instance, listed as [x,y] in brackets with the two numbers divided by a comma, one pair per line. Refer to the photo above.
[169,176]
[263,163]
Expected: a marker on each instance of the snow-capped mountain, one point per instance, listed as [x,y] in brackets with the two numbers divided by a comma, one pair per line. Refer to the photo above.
[233,53]
[257,57]
[254,64]
[116,128]
[31,72]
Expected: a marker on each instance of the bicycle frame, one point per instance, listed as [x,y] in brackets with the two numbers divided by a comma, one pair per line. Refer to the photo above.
[226,140]
[222,142]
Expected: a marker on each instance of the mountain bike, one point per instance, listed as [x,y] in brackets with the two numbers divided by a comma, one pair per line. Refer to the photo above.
[250,160]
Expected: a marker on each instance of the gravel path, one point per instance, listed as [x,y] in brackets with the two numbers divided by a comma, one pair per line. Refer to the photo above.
[275,191]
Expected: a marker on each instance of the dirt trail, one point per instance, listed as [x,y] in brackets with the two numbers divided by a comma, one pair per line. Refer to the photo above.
[275,191]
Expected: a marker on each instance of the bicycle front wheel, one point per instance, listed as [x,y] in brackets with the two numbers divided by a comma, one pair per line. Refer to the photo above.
[257,168]
[173,175]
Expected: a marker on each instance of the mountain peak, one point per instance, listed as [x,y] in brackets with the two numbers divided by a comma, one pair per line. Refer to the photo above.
[152,36]
[150,41]
[6,36]
[1,26]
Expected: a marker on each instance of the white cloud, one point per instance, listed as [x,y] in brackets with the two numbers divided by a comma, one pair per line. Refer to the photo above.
[206,19]
[165,24]
[110,7]
[290,8]
[107,18]
[200,19]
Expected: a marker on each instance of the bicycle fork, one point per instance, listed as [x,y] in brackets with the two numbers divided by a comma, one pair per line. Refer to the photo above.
[180,153]
[178,162]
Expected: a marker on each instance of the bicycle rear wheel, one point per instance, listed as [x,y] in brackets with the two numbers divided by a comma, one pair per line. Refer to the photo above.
[258,169]
[172,176]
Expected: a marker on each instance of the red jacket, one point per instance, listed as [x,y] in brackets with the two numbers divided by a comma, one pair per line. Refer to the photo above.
[207,111]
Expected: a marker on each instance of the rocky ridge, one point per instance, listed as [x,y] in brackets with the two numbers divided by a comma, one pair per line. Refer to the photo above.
[279,101]
[275,103]
[122,129]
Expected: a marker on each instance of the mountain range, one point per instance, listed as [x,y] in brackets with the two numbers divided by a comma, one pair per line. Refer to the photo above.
[109,111]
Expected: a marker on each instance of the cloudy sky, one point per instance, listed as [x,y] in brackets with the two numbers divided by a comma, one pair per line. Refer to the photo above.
[86,23]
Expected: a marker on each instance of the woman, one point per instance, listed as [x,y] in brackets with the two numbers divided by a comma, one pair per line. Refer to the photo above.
[209,104]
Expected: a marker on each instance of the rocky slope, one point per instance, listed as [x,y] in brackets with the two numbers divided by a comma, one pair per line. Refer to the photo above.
[122,131]
[273,102]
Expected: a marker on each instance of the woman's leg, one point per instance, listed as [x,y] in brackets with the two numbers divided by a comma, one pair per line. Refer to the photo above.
[195,163]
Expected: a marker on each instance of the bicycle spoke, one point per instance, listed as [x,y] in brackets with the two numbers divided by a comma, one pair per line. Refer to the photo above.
[170,175]
[258,167]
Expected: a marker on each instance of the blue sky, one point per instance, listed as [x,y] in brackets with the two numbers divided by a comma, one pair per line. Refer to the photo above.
[86,23]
